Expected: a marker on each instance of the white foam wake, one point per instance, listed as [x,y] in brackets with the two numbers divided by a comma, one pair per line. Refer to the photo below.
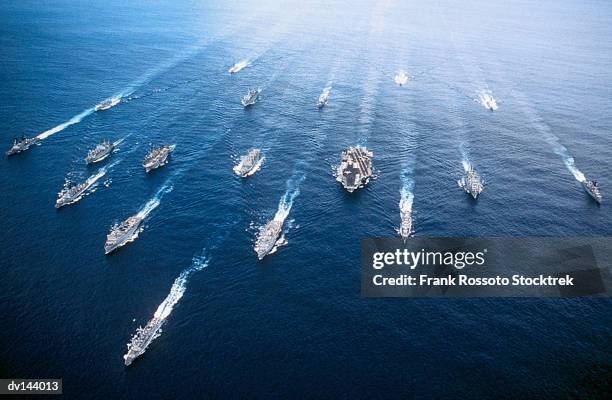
[74,120]
[178,288]
[286,202]
[155,201]
[550,138]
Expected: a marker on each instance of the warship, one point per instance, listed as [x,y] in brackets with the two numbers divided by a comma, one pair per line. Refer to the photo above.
[401,78]
[472,183]
[323,98]
[405,228]
[268,237]
[250,98]
[157,157]
[488,101]
[238,67]
[100,152]
[142,339]
[592,189]
[121,234]
[249,163]
[108,103]
[71,194]
[355,168]
[20,145]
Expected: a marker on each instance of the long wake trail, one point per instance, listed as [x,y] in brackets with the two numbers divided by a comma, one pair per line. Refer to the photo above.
[553,140]
[153,329]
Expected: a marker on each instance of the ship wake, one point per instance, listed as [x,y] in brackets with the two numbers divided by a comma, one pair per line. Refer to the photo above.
[153,329]
[74,120]
[155,201]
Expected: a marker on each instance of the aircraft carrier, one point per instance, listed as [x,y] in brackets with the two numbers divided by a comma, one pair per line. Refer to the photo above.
[157,157]
[355,168]
[122,234]
[249,163]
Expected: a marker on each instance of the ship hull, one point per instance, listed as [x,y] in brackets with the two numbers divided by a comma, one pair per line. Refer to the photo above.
[128,237]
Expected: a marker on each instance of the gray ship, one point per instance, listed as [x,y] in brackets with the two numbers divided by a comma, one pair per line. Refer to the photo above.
[249,163]
[108,103]
[268,237]
[250,98]
[100,152]
[71,194]
[472,183]
[157,157]
[323,98]
[592,189]
[142,339]
[405,228]
[20,145]
[122,234]
[355,168]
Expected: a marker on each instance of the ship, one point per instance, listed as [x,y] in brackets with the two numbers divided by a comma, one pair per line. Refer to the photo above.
[238,67]
[249,163]
[592,189]
[157,157]
[268,237]
[401,78]
[405,228]
[142,339]
[472,183]
[71,194]
[21,144]
[100,152]
[108,103]
[323,98]
[122,234]
[355,168]
[250,98]
[488,101]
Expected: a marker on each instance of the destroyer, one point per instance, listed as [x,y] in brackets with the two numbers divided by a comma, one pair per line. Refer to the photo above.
[268,237]
[400,78]
[238,67]
[355,168]
[472,183]
[249,163]
[250,98]
[100,152]
[592,189]
[122,234]
[142,339]
[71,194]
[157,157]
[405,228]
[488,101]
[323,98]
[108,103]
[20,145]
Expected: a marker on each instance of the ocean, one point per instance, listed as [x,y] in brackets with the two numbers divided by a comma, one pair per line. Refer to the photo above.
[294,325]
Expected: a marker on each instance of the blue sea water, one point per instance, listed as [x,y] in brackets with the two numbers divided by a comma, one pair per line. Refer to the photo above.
[294,324]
